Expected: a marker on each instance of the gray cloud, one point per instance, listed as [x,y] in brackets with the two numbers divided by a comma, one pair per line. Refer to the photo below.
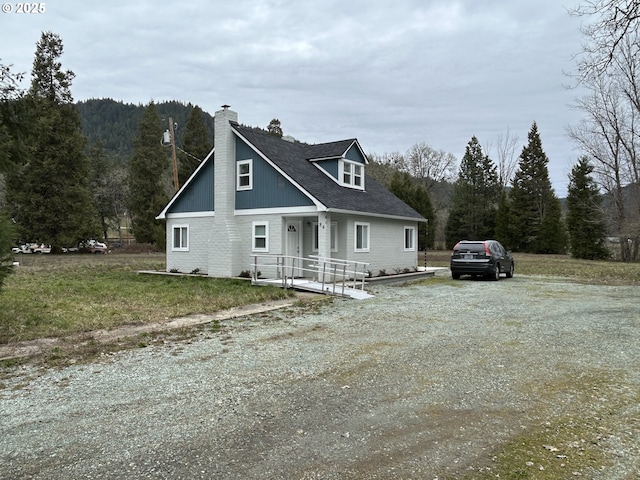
[391,74]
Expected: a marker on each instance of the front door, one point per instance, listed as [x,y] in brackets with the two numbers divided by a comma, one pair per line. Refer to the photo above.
[294,234]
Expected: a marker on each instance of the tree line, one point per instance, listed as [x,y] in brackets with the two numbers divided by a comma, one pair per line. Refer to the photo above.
[60,189]
[511,201]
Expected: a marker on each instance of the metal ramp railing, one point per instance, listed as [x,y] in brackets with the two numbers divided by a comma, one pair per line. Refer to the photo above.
[327,275]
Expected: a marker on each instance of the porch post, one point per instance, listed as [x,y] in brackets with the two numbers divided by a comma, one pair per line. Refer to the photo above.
[324,235]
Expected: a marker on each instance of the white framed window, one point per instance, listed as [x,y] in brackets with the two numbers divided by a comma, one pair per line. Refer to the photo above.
[409,239]
[334,237]
[351,174]
[358,175]
[180,242]
[260,242]
[346,173]
[361,237]
[244,175]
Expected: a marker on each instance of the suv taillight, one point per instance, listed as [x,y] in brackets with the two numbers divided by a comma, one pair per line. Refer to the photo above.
[487,252]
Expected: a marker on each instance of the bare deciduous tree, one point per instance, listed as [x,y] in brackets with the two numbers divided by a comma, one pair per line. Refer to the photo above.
[424,162]
[609,68]
[507,159]
[609,135]
[614,21]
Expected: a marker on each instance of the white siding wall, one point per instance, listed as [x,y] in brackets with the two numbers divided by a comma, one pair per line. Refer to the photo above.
[212,253]
[210,250]
[197,256]
[386,244]
[230,258]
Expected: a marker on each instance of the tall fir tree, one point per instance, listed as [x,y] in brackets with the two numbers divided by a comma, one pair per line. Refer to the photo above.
[585,218]
[474,198]
[14,123]
[275,128]
[552,236]
[107,182]
[49,191]
[535,220]
[12,128]
[149,180]
[502,232]
[197,145]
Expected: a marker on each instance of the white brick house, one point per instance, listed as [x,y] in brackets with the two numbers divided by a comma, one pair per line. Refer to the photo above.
[257,193]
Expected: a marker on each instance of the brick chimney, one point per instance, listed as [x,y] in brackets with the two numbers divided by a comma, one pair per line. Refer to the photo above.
[224,238]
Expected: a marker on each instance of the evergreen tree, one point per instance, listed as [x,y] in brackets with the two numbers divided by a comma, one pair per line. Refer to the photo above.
[407,189]
[11,130]
[13,121]
[474,198]
[197,145]
[552,237]
[149,179]
[107,182]
[532,202]
[49,192]
[502,231]
[585,218]
[6,240]
[275,128]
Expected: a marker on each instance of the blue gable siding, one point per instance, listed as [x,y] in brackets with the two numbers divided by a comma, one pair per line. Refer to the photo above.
[270,188]
[354,155]
[329,166]
[198,196]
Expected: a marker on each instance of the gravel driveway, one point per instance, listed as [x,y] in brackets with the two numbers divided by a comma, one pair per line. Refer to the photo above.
[428,380]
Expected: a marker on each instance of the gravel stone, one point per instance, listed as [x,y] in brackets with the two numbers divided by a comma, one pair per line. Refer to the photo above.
[423,380]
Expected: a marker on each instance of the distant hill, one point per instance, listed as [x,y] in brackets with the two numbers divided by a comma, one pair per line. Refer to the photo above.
[115,123]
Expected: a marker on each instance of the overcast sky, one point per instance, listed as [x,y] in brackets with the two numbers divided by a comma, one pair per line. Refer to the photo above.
[390,73]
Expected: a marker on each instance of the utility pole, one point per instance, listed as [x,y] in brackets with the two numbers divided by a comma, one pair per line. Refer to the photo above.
[176,184]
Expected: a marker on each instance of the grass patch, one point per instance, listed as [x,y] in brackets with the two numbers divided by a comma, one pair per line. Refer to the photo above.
[60,295]
[580,424]
[595,272]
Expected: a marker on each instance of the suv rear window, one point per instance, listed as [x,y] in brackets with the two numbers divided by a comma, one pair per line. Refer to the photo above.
[475,247]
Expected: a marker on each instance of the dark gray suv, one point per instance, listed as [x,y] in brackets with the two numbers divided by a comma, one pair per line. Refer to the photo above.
[486,258]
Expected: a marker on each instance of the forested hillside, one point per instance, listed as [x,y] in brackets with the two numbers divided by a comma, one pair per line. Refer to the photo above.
[114,123]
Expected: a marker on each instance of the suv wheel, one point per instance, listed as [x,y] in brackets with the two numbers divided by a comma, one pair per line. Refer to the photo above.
[510,272]
[496,274]
[455,276]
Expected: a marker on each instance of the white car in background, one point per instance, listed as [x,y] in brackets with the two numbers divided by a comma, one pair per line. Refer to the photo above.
[93,246]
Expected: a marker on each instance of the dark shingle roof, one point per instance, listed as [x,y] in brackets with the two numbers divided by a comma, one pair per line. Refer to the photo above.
[293,158]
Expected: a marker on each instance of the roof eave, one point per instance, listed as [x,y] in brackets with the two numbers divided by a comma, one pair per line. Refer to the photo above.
[378,215]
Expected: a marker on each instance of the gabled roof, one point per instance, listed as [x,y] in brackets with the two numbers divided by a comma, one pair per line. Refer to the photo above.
[294,159]
[322,151]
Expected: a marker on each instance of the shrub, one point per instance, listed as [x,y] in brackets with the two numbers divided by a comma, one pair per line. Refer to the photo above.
[248,274]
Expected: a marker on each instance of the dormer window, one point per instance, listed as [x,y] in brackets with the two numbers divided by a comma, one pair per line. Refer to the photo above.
[352,174]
